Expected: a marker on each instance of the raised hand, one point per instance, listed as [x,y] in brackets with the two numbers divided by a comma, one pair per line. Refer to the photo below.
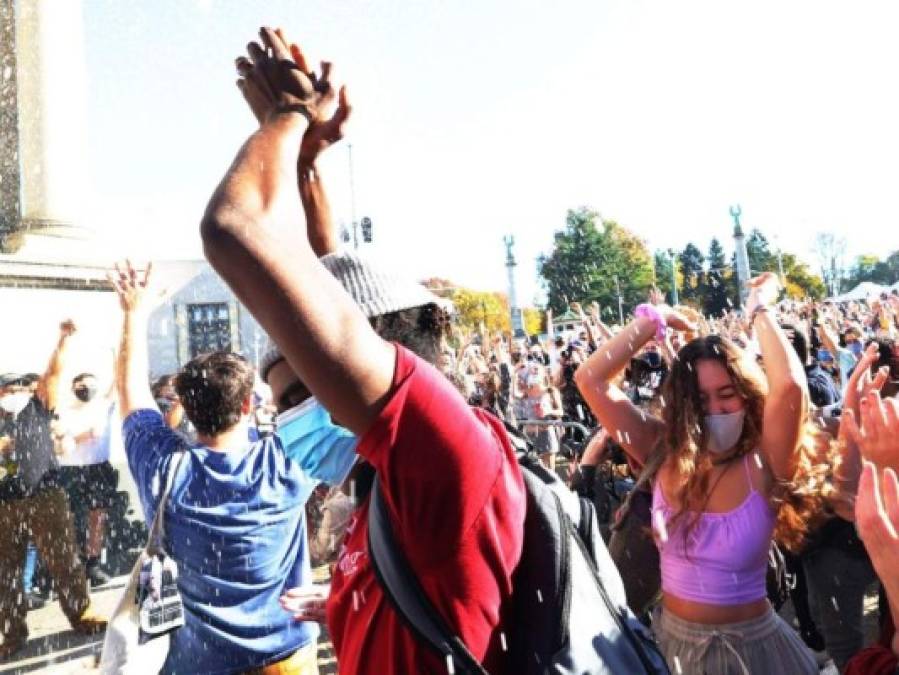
[877,436]
[277,79]
[67,328]
[860,383]
[679,318]
[130,285]
[325,129]
[877,520]
[763,291]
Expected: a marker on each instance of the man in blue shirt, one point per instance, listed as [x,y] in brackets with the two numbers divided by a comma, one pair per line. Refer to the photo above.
[235,519]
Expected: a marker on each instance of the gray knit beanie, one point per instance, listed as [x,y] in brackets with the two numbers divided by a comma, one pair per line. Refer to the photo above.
[376,290]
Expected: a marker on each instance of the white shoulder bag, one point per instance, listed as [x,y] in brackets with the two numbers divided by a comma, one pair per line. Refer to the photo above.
[137,636]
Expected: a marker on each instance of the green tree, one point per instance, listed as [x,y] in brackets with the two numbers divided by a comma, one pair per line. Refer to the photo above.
[663,261]
[715,295]
[587,257]
[534,321]
[870,268]
[758,251]
[800,282]
[474,307]
[892,265]
[692,267]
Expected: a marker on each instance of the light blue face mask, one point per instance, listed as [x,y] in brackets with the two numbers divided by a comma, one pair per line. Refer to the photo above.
[323,450]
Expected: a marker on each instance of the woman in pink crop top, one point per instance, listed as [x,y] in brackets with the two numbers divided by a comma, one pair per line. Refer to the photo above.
[727,433]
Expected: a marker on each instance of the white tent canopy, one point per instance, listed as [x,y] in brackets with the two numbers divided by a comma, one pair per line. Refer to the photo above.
[863,291]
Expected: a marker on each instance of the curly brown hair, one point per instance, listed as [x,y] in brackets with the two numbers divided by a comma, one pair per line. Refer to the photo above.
[797,501]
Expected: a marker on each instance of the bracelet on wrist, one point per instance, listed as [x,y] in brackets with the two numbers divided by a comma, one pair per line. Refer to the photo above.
[758,310]
[647,311]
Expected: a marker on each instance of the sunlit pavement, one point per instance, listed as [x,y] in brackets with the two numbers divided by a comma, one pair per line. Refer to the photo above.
[53,647]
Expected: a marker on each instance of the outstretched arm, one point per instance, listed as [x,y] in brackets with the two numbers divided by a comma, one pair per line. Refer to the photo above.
[634,430]
[318,137]
[250,238]
[49,388]
[323,236]
[132,371]
[786,406]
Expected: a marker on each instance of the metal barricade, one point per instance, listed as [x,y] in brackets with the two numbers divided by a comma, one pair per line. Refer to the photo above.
[567,447]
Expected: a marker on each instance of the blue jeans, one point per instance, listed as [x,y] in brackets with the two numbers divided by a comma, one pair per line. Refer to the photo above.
[30,565]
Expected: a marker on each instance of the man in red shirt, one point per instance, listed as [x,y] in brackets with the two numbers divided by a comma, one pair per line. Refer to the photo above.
[448,475]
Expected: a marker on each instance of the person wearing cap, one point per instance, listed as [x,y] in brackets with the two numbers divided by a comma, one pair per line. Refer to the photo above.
[33,506]
[448,475]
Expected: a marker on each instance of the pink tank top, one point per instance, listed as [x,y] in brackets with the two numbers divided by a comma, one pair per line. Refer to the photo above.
[725,558]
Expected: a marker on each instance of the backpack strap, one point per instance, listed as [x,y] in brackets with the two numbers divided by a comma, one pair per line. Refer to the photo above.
[157,529]
[401,586]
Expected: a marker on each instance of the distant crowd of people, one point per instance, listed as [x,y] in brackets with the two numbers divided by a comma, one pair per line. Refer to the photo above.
[605,499]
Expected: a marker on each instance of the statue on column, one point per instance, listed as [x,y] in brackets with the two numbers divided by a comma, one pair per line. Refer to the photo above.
[742,255]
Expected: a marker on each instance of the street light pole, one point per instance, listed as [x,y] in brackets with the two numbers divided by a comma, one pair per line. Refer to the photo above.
[620,310]
[674,298]
[349,148]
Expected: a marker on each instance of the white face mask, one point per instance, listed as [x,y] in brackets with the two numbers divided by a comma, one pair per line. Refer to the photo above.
[15,403]
[724,430]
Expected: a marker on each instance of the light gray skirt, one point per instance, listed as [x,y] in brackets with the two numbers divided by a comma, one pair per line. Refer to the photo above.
[762,646]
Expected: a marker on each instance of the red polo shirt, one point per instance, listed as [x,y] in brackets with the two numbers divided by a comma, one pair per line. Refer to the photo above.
[456,497]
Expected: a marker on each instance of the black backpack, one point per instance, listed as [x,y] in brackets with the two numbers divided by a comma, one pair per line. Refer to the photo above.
[569,614]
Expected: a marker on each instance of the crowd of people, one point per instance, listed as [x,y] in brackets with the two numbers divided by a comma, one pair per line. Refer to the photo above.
[729,462]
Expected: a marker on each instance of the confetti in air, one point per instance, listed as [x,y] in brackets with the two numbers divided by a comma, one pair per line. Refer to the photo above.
[450,666]
[539,596]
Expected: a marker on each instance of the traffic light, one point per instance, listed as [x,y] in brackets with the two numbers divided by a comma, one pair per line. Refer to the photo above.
[366,230]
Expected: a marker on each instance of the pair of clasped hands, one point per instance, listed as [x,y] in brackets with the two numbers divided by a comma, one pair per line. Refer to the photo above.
[275,79]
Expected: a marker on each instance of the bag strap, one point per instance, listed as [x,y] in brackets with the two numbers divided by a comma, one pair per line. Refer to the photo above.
[402,588]
[157,529]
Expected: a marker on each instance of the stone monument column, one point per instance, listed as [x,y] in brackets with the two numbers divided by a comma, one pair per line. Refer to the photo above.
[517,319]
[43,121]
[52,102]
[743,272]
[9,127]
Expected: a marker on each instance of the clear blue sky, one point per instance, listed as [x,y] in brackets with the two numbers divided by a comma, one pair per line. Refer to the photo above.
[475,119]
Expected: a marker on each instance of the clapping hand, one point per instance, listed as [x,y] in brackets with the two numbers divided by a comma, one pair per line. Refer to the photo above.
[860,385]
[877,520]
[878,436]
[323,130]
[276,78]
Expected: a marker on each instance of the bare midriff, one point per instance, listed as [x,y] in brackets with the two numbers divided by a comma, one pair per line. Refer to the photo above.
[700,612]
